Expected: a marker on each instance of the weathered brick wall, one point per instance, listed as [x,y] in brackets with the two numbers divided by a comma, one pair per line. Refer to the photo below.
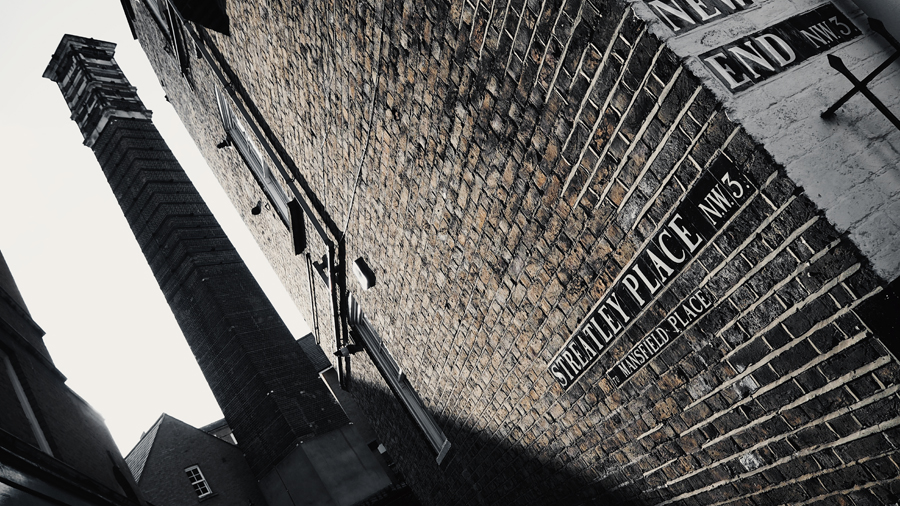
[178,446]
[516,158]
[846,164]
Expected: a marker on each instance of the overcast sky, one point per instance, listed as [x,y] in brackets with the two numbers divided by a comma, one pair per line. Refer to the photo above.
[76,262]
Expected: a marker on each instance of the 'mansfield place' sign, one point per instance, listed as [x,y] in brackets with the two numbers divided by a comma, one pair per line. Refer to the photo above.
[712,201]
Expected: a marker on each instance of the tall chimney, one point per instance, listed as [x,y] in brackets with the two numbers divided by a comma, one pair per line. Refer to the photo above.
[270,393]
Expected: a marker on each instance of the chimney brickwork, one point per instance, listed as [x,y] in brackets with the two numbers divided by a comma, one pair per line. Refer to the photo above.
[269,392]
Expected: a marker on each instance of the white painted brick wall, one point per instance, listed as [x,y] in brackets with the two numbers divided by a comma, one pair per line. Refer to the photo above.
[848,165]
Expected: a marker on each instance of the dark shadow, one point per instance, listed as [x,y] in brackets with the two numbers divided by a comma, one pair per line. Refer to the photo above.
[481,468]
[211,14]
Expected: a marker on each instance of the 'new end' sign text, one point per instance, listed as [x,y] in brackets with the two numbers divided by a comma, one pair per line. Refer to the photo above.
[757,57]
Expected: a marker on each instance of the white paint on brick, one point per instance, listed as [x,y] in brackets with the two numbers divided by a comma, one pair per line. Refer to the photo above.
[750,461]
[848,165]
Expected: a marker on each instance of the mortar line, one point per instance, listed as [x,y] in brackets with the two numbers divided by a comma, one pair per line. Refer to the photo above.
[472,28]
[856,488]
[550,38]
[843,345]
[502,29]
[537,23]
[609,97]
[662,141]
[801,267]
[487,27]
[684,157]
[830,416]
[594,79]
[820,325]
[462,13]
[512,46]
[660,145]
[802,453]
[838,383]
[603,108]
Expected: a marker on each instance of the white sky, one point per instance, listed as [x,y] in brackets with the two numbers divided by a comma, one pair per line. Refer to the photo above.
[76,262]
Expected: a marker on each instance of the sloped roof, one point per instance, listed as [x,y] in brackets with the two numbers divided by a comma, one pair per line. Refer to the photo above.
[314,352]
[218,424]
[137,457]
[8,285]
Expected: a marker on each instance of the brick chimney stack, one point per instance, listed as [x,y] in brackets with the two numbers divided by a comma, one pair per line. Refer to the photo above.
[267,388]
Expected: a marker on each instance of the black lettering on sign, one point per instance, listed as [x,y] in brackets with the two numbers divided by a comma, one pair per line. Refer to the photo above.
[683,16]
[757,57]
[712,201]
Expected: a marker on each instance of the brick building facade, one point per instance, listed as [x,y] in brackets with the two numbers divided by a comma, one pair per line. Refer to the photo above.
[617,255]
[175,464]
[54,448]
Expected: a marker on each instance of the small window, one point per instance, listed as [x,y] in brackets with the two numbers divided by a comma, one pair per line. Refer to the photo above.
[253,158]
[395,377]
[198,481]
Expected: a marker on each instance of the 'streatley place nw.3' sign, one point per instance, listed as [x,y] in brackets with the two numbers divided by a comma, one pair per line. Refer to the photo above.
[713,200]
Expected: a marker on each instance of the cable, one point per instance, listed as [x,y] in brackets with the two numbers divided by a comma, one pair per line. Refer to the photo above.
[362,156]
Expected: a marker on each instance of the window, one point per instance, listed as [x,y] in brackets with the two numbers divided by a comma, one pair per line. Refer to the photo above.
[25,405]
[172,27]
[397,380]
[253,158]
[198,481]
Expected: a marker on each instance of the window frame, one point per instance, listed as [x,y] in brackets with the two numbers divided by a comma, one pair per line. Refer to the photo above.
[202,481]
[397,380]
[25,404]
[253,158]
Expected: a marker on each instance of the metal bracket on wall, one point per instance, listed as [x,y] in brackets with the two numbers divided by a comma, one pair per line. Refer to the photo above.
[860,86]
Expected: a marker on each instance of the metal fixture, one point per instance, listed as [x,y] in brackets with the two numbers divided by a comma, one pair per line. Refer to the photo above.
[859,86]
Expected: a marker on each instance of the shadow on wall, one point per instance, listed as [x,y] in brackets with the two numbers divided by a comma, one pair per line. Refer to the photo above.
[212,14]
[480,469]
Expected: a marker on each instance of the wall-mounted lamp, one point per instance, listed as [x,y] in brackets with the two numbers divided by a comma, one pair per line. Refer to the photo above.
[346,351]
[363,273]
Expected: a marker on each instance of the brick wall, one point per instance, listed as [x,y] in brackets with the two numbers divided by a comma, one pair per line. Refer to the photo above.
[845,163]
[516,159]
[178,446]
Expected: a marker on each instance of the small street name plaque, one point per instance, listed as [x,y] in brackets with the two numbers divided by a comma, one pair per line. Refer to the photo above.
[757,57]
[714,199]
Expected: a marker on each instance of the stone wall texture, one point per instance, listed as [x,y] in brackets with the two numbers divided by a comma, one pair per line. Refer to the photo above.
[500,166]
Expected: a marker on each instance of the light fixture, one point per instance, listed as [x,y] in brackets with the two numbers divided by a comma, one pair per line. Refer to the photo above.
[363,273]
